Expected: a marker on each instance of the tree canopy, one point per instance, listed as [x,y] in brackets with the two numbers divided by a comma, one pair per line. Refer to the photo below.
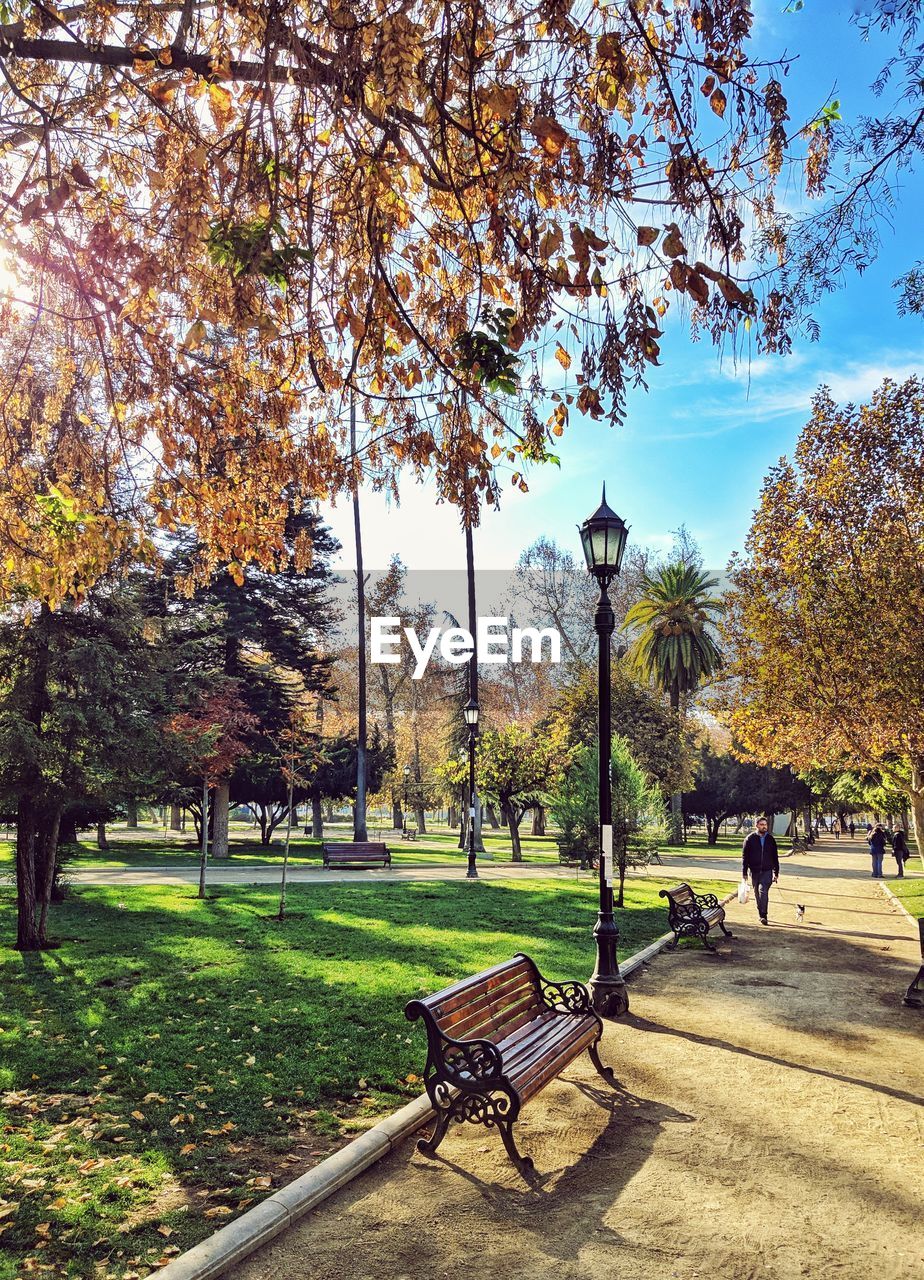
[824,620]
[226,220]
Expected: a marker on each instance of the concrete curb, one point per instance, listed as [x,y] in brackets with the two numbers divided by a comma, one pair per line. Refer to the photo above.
[265,1221]
[898,903]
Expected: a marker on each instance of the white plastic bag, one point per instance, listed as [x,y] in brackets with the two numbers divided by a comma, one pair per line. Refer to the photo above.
[744,892]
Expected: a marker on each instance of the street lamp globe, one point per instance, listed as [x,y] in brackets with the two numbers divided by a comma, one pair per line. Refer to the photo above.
[603,537]
[470,712]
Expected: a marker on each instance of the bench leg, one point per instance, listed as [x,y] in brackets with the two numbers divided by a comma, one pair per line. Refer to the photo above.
[728,933]
[602,1069]
[523,1163]
[427,1146]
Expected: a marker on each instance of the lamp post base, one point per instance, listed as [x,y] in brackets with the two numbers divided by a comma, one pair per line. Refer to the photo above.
[609,997]
[608,993]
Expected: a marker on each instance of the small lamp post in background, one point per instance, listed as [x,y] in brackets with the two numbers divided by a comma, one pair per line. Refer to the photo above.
[471,719]
[603,536]
[407,775]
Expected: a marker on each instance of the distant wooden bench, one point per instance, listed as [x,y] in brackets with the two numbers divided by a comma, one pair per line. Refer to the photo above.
[496,1039]
[570,855]
[692,915]
[362,853]
[641,859]
[408,833]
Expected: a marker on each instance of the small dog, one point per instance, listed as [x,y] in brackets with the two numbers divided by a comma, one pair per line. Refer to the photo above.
[800,912]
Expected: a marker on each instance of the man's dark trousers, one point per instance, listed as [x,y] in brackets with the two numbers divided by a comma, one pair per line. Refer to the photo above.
[762,885]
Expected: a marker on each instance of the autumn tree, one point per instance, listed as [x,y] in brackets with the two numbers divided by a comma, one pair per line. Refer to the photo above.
[824,619]
[252,218]
[212,736]
[264,631]
[516,767]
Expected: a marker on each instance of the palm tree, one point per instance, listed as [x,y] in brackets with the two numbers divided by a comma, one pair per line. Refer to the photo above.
[675,647]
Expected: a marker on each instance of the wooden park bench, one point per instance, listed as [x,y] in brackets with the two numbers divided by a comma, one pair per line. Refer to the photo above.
[495,1039]
[408,833]
[641,859]
[692,915]
[361,853]
[572,855]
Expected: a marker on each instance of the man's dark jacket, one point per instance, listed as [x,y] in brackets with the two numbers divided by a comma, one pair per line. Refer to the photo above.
[753,862]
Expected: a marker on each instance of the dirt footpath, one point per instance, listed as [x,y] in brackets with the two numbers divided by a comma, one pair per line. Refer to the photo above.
[770,1123]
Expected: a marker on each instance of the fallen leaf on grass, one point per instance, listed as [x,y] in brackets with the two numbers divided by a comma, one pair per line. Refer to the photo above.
[220,1211]
[187,1148]
[165,1231]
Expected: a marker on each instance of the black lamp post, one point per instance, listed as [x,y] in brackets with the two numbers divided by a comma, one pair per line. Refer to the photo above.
[471,719]
[603,536]
[407,774]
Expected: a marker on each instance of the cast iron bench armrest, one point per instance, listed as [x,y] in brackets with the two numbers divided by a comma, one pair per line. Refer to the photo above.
[707,899]
[573,997]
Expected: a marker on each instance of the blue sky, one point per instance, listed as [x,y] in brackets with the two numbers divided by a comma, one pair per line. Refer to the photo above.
[698,443]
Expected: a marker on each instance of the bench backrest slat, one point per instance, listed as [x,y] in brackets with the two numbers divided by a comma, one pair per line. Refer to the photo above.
[489,1005]
[360,846]
[681,894]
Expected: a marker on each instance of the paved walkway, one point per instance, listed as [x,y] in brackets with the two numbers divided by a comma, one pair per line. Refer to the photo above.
[770,1124]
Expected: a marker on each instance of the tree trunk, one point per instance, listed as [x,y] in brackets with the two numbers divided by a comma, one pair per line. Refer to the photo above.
[285,855]
[538,827]
[491,814]
[317,819]
[451,817]
[360,830]
[677,831]
[102,841]
[712,830]
[421,818]
[622,882]
[917,810]
[397,814]
[221,812]
[45,879]
[510,816]
[27,934]
[204,849]
[131,812]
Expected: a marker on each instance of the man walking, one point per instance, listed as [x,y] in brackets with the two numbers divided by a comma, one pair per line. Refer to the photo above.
[760,863]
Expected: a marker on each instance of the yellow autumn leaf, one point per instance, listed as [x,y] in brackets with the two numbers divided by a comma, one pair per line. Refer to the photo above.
[561,355]
[550,135]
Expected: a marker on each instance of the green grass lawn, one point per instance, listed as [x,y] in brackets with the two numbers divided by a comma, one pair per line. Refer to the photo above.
[728,847]
[910,892]
[150,849]
[173,1060]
